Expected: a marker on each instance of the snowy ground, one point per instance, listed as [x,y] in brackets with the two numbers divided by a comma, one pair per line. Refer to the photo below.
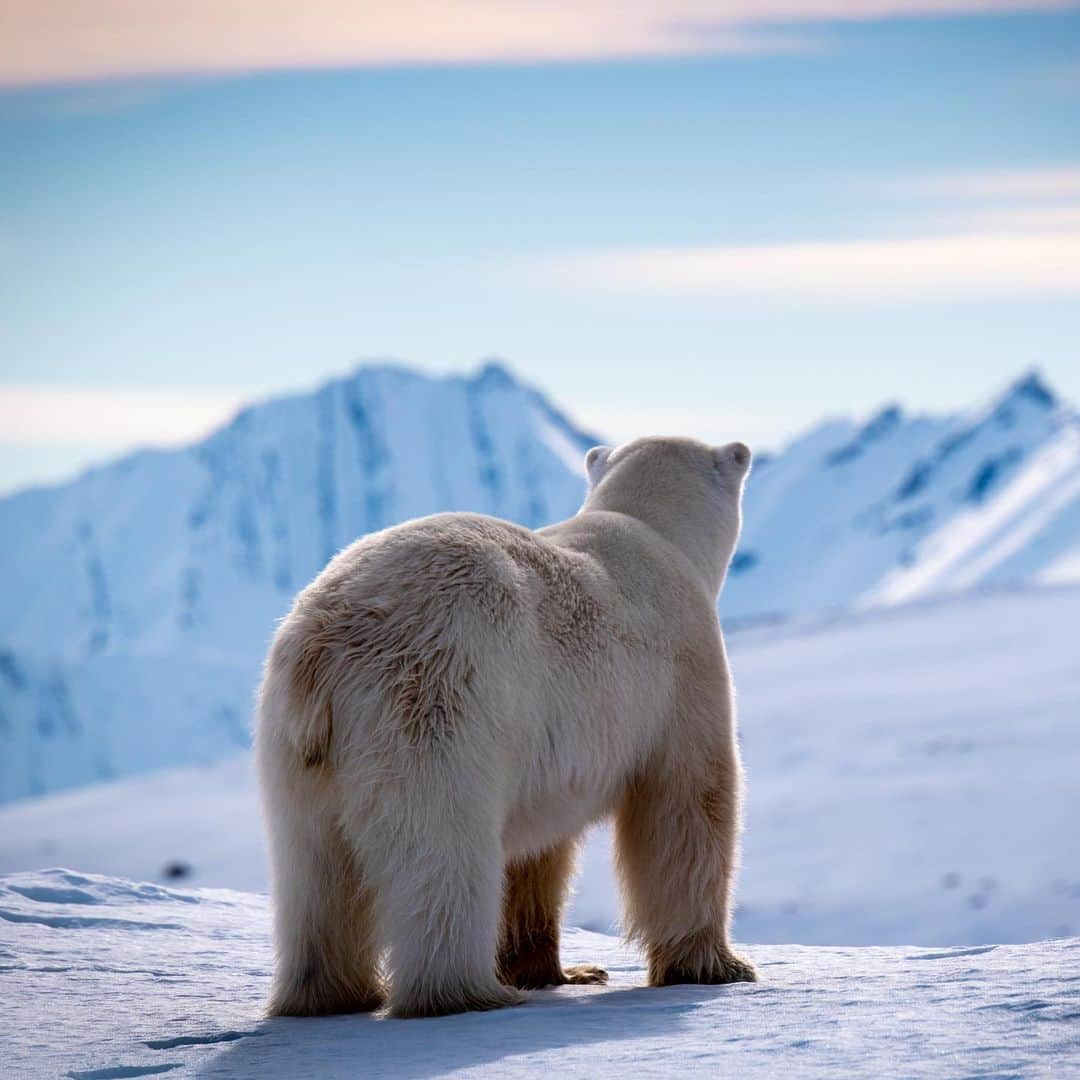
[104,979]
[912,778]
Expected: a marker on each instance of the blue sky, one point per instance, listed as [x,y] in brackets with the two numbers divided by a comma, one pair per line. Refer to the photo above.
[726,240]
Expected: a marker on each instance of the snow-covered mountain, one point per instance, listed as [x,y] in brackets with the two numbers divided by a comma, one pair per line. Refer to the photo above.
[907,506]
[139,598]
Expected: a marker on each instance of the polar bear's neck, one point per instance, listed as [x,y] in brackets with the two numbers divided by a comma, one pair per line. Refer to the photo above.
[672,537]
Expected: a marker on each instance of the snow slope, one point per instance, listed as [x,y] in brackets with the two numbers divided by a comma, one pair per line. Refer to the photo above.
[102,978]
[912,778]
[139,598]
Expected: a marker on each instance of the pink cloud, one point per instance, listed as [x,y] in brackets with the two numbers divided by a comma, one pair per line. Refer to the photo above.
[904,270]
[50,41]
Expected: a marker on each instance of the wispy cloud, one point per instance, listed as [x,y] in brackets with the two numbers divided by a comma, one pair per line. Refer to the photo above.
[1025,201]
[72,40]
[872,271]
[1011,184]
[1063,218]
[987,201]
[51,415]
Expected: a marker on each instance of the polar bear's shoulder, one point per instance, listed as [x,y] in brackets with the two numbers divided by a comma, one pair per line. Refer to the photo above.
[588,558]
[456,556]
[466,544]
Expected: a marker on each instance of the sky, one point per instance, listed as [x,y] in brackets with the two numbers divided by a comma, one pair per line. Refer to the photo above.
[725,220]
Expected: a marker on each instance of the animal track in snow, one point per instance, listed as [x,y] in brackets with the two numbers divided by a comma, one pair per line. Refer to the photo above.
[200,1040]
[121,1072]
[950,953]
[84,922]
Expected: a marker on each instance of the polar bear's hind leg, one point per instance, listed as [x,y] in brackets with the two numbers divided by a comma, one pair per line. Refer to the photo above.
[433,850]
[323,927]
[533,899]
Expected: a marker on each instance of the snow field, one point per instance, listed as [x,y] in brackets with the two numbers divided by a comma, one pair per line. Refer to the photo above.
[103,978]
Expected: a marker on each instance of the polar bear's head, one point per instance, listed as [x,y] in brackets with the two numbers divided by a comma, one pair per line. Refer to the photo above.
[689,492]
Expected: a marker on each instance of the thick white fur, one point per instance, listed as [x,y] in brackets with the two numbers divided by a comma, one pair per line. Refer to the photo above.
[456,693]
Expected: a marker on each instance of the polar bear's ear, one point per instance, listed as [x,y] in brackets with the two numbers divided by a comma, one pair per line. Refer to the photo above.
[596,461]
[734,455]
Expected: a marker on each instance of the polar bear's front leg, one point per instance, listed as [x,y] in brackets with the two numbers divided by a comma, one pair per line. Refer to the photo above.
[533,898]
[676,838]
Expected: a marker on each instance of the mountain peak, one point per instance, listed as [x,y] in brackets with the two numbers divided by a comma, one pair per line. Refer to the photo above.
[494,373]
[879,426]
[884,420]
[1031,387]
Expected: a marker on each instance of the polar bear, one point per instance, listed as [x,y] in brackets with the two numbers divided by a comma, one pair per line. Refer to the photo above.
[454,700]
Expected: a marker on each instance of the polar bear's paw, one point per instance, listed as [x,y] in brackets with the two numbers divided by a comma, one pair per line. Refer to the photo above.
[446,1002]
[732,968]
[532,978]
[538,966]
[585,975]
[698,961]
[308,996]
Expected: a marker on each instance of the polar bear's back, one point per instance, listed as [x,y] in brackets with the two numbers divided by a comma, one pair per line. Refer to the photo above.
[412,630]
[465,574]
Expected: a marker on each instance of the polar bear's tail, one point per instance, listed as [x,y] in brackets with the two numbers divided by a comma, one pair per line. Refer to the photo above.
[295,702]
